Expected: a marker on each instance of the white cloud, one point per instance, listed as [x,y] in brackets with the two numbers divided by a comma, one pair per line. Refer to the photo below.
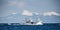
[51,13]
[14,13]
[12,3]
[18,4]
[27,13]
[9,17]
[36,13]
[21,4]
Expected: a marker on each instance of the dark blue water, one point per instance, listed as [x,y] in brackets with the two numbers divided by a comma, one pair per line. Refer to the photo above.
[46,26]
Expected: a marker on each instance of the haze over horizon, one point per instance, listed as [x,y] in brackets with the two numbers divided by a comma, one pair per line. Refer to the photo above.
[18,10]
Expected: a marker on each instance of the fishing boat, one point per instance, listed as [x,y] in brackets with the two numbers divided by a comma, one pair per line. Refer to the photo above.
[31,22]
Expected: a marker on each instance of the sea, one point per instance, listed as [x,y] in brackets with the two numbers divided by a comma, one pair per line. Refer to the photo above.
[17,26]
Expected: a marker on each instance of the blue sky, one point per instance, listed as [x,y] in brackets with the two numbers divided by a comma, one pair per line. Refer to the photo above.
[19,10]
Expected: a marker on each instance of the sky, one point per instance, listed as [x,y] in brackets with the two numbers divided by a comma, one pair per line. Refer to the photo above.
[16,11]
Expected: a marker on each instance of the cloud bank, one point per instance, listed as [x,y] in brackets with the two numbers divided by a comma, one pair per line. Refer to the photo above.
[27,13]
[51,14]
